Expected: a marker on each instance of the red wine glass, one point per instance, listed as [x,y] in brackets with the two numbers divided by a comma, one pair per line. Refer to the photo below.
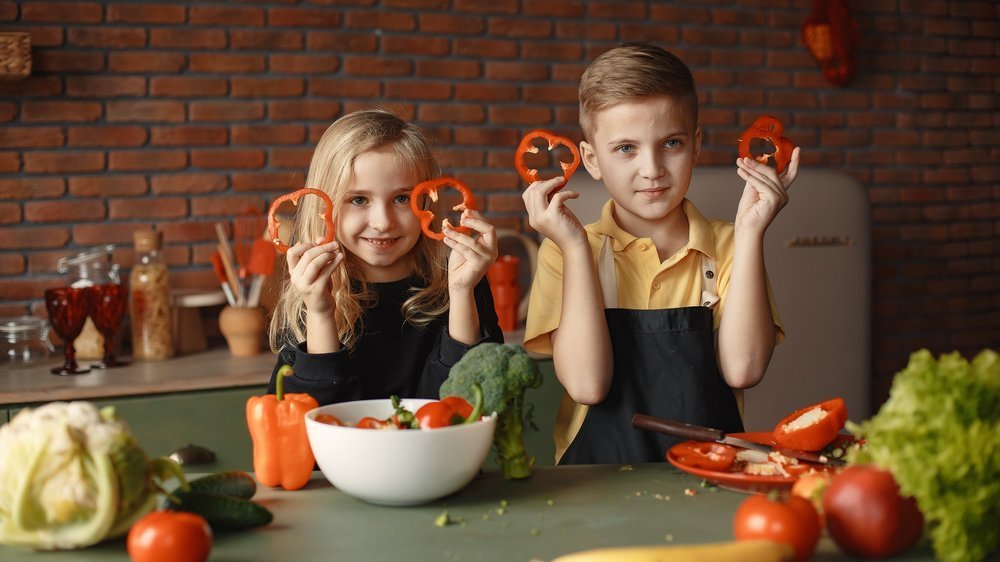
[107,307]
[68,309]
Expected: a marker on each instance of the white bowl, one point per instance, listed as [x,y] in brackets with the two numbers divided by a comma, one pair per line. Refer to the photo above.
[396,467]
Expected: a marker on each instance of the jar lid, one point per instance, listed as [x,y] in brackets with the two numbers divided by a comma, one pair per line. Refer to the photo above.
[147,240]
[88,255]
[21,324]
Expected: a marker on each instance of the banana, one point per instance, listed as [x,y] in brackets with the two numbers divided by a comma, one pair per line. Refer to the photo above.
[738,551]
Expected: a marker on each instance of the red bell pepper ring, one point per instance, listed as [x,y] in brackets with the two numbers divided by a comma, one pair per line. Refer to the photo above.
[814,432]
[273,222]
[530,175]
[430,188]
[710,456]
[770,129]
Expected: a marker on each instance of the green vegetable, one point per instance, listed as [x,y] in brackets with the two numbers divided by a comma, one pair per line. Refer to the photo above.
[503,372]
[235,483]
[223,513]
[72,476]
[939,436]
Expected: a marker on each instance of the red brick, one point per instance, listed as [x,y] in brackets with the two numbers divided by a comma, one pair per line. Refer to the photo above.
[189,231]
[302,110]
[187,86]
[652,33]
[31,137]
[105,86]
[22,188]
[227,159]
[268,181]
[505,203]
[415,45]
[304,64]
[340,42]
[41,36]
[64,211]
[226,16]
[486,92]
[566,72]
[145,61]
[9,162]
[384,20]
[417,4]
[223,206]
[451,113]
[155,111]
[10,213]
[455,69]
[60,111]
[146,13]
[487,6]
[133,160]
[586,30]
[486,136]
[616,10]
[108,185]
[29,289]
[50,61]
[268,134]
[454,157]
[11,264]
[417,90]
[516,71]
[8,10]
[8,111]
[71,12]
[101,136]
[226,111]
[288,158]
[376,66]
[260,40]
[266,87]
[485,48]
[554,8]
[302,17]
[522,115]
[225,63]
[106,233]
[550,93]
[63,162]
[491,181]
[521,28]
[152,208]
[107,37]
[33,86]
[189,135]
[188,38]
[25,238]
[176,184]
[344,88]
[690,15]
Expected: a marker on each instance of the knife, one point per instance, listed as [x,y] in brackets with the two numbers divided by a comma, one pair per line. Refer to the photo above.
[699,433]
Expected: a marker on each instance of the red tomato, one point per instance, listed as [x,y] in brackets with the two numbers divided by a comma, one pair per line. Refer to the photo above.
[169,536]
[790,521]
[435,414]
[866,516]
[328,419]
[710,456]
[372,423]
[814,436]
[459,406]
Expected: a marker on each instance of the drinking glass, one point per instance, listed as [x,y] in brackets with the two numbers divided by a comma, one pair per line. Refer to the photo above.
[68,309]
[107,307]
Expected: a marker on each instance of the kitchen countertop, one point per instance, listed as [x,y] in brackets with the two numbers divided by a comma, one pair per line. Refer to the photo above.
[558,510]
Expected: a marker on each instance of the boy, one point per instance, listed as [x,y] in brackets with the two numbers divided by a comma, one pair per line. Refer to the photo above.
[631,307]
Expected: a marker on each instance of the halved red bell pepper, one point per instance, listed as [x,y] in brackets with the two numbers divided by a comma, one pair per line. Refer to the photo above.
[527,145]
[273,222]
[704,454]
[430,188]
[816,431]
[768,128]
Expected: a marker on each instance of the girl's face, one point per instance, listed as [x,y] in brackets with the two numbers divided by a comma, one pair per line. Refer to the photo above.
[375,224]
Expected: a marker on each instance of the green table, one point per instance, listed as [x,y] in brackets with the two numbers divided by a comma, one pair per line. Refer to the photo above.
[559,510]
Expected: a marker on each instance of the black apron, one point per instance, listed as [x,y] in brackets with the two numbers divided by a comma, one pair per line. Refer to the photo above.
[665,366]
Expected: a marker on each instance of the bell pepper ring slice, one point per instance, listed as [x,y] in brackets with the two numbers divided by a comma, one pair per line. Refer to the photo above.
[527,145]
[770,129]
[273,223]
[430,188]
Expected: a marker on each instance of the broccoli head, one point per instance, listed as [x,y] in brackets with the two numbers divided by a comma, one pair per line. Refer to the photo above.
[503,372]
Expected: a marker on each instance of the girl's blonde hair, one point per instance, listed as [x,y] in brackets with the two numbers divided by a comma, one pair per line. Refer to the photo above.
[332,170]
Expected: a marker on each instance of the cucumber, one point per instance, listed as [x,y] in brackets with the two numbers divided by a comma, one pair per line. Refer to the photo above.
[234,483]
[223,513]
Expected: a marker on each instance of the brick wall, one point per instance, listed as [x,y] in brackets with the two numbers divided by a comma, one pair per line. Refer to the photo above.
[179,114]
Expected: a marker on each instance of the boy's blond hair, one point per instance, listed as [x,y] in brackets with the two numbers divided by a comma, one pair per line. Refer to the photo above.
[332,170]
[631,72]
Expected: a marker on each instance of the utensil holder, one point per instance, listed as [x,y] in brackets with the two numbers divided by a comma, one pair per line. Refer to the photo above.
[243,328]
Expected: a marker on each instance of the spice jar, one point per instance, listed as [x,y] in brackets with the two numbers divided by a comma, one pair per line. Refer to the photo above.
[90,267]
[149,301]
[24,342]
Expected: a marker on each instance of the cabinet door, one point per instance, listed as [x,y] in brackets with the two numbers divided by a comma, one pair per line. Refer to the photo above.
[544,402]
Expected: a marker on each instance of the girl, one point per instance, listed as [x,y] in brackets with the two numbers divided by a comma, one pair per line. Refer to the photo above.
[381,310]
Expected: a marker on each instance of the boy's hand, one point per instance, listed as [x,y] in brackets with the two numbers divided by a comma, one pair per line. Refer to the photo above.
[552,217]
[471,255]
[310,267]
[765,192]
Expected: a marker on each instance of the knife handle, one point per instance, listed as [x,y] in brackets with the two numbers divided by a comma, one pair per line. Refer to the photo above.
[676,428]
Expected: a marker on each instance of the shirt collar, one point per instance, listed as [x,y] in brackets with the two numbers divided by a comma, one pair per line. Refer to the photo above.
[700,234]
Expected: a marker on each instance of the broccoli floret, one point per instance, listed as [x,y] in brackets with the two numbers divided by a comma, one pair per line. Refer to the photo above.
[503,372]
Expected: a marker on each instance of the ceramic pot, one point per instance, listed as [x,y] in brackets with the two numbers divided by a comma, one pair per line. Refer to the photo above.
[243,328]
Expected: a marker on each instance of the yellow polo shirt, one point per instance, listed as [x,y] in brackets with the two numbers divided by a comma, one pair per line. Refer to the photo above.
[644,283]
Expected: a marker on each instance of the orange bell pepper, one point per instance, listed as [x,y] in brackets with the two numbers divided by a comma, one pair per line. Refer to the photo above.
[281,452]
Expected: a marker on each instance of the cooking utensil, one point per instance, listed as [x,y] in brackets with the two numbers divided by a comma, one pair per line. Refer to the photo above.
[699,433]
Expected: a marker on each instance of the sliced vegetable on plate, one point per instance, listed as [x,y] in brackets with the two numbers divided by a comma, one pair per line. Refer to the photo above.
[812,428]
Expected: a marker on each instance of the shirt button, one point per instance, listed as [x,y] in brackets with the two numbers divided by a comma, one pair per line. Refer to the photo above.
[643,247]
[709,274]
[656,286]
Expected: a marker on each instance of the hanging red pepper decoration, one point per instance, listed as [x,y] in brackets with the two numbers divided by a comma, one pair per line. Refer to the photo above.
[530,175]
[831,35]
[430,188]
[770,129]
[273,223]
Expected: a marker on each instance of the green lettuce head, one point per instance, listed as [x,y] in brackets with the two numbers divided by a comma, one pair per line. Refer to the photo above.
[72,476]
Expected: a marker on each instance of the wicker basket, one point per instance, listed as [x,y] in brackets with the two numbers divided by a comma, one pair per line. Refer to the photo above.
[15,56]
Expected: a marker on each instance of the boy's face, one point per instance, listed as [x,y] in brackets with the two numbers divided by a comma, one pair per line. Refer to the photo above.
[644,151]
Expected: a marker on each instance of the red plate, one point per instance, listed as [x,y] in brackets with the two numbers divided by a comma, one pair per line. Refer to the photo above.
[740,481]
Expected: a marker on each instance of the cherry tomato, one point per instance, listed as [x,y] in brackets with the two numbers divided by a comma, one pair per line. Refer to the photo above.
[811,487]
[328,419]
[792,521]
[710,456]
[169,536]
[369,422]
[435,414]
[459,406]
[866,516]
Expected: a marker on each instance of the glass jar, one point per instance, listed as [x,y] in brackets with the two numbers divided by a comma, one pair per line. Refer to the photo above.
[92,266]
[24,342]
[149,299]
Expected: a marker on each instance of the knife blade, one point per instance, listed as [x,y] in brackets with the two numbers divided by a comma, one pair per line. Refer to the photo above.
[700,433]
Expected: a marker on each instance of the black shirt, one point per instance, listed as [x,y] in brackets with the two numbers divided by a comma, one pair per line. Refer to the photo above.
[393,357]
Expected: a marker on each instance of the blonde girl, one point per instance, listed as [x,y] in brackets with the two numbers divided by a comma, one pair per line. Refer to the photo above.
[382,309]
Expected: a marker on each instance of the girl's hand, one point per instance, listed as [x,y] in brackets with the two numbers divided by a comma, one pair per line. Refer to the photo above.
[552,217]
[310,267]
[765,192]
[471,255]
